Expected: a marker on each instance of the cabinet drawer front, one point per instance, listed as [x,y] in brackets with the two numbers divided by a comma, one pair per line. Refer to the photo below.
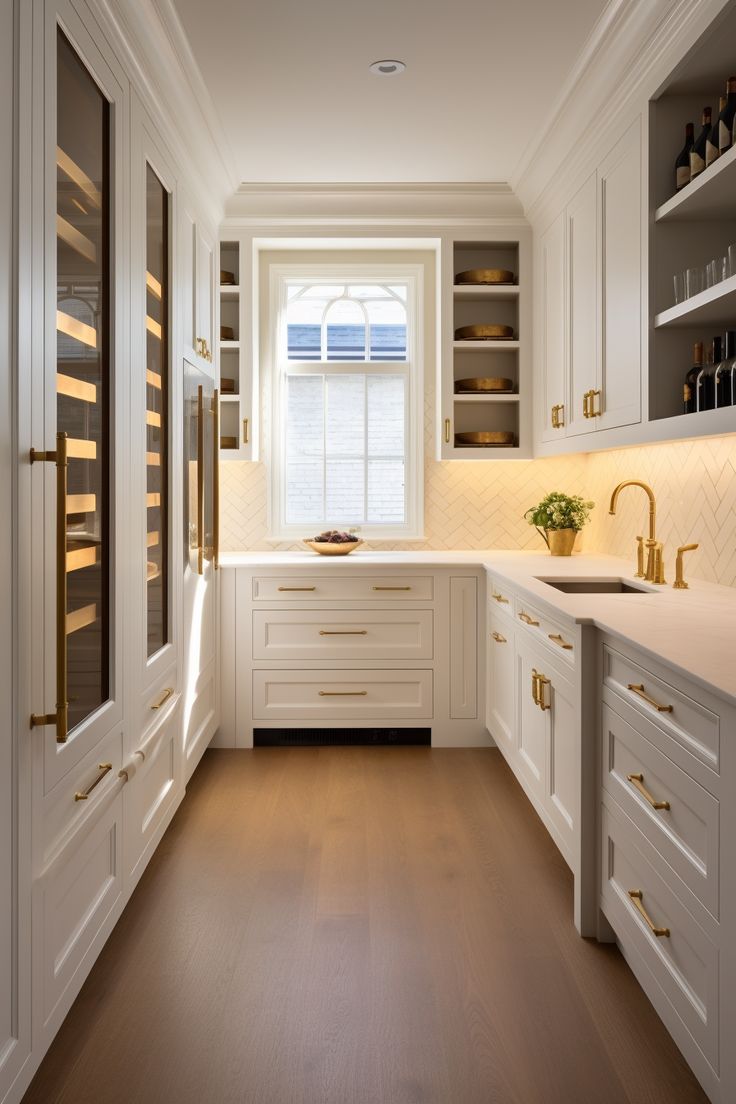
[499,596]
[559,639]
[684,718]
[348,587]
[683,964]
[686,833]
[64,812]
[151,793]
[342,634]
[78,893]
[372,695]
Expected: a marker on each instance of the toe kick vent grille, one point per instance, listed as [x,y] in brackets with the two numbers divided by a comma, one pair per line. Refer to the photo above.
[342,737]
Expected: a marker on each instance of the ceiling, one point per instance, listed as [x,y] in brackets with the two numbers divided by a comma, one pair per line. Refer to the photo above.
[290,84]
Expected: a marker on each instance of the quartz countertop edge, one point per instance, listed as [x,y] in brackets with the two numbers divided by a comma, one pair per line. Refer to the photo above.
[692,631]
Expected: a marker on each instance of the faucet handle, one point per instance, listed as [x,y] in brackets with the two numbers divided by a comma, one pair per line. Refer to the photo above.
[639,573]
[659,563]
[679,583]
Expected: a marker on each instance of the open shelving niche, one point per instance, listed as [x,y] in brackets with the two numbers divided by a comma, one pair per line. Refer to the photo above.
[688,229]
[235,360]
[470,304]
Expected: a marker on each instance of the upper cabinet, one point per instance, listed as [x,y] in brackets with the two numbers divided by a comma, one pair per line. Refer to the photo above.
[589,261]
[197,244]
[239,398]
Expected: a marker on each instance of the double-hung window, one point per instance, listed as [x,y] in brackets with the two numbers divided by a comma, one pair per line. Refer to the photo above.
[347,401]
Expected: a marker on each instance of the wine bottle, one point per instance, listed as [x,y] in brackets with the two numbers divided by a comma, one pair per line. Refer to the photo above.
[690,387]
[725,372]
[711,142]
[682,163]
[708,384]
[697,153]
[726,117]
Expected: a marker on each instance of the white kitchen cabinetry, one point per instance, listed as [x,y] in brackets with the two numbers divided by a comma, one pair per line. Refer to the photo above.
[238,366]
[403,648]
[582,290]
[550,336]
[500,661]
[667,825]
[197,268]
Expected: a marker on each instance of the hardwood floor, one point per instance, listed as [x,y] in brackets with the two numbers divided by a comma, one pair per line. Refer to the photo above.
[358,926]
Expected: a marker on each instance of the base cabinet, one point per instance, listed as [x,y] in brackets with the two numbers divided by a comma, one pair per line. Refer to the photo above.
[500,681]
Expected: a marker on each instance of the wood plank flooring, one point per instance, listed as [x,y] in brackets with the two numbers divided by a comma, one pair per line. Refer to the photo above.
[358,926]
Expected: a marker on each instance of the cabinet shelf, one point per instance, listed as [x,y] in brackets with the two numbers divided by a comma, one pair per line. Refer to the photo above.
[715,306]
[229,345]
[229,291]
[474,292]
[229,398]
[710,198]
[484,346]
[486,398]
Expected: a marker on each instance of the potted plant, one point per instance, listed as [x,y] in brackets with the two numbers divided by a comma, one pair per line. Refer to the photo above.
[558,518]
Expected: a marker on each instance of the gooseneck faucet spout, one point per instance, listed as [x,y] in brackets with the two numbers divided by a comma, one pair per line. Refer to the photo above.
[655,561]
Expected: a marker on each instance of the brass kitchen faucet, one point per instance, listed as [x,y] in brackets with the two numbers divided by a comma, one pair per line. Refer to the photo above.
[654,572]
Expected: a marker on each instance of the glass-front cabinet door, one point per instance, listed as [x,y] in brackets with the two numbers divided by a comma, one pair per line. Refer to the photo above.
[80,404]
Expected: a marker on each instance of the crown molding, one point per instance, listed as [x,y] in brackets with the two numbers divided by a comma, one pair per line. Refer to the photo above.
[150,40]
[362,203]
[631,52]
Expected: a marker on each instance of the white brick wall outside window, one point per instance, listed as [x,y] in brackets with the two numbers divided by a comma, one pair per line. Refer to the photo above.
[347,434]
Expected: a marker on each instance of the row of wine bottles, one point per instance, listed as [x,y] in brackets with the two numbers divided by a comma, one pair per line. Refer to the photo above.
[714,139]
[711,382]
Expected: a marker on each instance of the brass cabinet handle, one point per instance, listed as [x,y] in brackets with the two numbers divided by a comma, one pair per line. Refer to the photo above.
[343,632]
[637,897]
[447,431]
[200,480]
[557,639]
[535,687]
[527,619]
[541,682]
[104,768]
[297,588]
[586,400]
[593,412]
[638,689]
[246,435]
[637,781]
[558,417]
[164,698]
[216,480]
[60,718]
[391,588]
[498,638]
[500,598]
[342,693]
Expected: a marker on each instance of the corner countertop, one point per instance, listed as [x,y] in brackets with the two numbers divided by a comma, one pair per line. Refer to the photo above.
[693,631]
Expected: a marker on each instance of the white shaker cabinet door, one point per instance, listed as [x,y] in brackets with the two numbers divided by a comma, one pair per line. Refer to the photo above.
[500,702]
[551,339]
[582,255]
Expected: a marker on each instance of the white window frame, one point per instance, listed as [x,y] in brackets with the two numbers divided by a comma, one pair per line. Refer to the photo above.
[277,367]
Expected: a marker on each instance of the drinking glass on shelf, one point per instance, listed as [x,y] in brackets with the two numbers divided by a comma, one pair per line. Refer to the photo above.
[715,271]
[679,281]
[693,281]
[732,260]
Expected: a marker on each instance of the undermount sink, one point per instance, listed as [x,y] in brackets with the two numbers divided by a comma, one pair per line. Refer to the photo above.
[596,586]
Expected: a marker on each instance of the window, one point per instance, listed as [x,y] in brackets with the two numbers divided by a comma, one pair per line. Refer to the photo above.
[347,401]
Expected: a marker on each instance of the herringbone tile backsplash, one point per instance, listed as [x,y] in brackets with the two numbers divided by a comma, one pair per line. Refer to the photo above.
[481,504]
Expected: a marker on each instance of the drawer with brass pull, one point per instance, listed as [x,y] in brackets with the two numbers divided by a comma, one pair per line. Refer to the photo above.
[82,791]
[342,695]
[345,586]
[657,931]
[679,715]
[560,640]
[499,597]
[304,635]
[677,815]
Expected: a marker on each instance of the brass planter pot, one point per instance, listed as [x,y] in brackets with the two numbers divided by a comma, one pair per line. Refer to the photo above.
[560,541]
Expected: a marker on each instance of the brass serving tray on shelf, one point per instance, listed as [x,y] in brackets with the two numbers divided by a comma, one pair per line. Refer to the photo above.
[495,438]
[485,276]
[228,442]
[484,385]
[484,332]
[226,277]
[227,333]
[227,386]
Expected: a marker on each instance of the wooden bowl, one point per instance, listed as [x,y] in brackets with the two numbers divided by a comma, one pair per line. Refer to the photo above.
[228,442]
[485,276]
[227,333]
[495,438]
[227,386]
[226,277]
[484,332]
[483,384]
[324,548]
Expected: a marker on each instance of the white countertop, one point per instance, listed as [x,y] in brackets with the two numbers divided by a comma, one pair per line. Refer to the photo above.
[693,631]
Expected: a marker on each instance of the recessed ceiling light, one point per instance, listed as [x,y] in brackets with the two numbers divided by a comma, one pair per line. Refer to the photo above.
[388,68]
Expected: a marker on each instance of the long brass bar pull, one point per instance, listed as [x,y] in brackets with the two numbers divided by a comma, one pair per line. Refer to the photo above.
[246,434]
[638,689]
[200,480]
[342,693]
[343,632]
[297,588]
[164,698]
[390,588]
[447,431]
[216,480]
[104,768]
[637,781]
[61,717]
[542,681]
[637,898]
